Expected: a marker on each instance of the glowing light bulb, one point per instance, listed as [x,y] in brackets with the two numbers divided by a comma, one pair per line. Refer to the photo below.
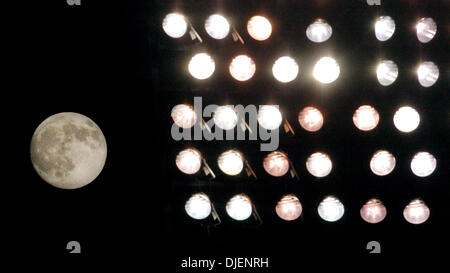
[311,119]
[366,118]
[382,163]
[259,28]
[269,117]
[198,206]
[373,211]
[326,70]
[189,161]
[217,26]
[423,164]
[319,164]
[225,117]
[331,209]
[384,28]
[239,207]
[416,212]
[289,207]
[319,31]
[242,68]
[231,162]
[174,25]
[426,29]
[184,115]
[406,119]
[201,66]
[387,72]
[276,163]
[427,74]
[285,69]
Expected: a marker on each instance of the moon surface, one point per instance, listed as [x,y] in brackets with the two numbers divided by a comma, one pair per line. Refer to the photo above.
[68,150]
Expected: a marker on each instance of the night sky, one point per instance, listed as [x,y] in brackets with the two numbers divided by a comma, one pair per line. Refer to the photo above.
[113,63]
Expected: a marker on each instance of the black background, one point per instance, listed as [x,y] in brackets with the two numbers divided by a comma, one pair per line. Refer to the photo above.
[112,62]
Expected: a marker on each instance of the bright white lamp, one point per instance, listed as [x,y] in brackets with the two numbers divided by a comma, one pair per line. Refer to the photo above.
[239,207]
[231,162]
[198,206]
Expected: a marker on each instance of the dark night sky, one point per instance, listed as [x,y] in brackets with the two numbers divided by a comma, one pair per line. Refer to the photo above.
[113,63]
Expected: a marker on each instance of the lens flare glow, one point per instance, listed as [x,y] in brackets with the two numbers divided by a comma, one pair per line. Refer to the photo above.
[319,164]
[189,161]
[269,117]
[382,163]
[423,164]
[373,211]
[427,74]
[225,117]
[387,72]
[198,206]
[311,119]
[406,119]
[239,207]
[217,26]
[201,66]
[331,209]
[174,25]
[259,28]
[276,163]
[384,28]
[416,212]
[231,162]
[289,207]
[326,70]
[285,69]
[426,29]
[242,68]
[366,118]
[184,115]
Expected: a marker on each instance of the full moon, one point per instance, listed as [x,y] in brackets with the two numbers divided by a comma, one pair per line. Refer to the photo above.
[68,150]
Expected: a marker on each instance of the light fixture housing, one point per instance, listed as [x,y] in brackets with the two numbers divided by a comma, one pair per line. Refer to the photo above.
[184,115]
[231,162]
[366,118]
[259,28]
[384,28]
[242,68]
[319,164]
[217,26]
[269,117]
[326,70]
[201,66]
[423,164]
[239,207]
[289,207]
[189,161]
[382,163]
[225,117]
[426,29]
[174,25]
[319,31]
[198,206]
[406,119]
[331,209]
[285,69]
[373,211]
[276,163]
[416,212]
[311,119]
[427,74]
[387,72]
